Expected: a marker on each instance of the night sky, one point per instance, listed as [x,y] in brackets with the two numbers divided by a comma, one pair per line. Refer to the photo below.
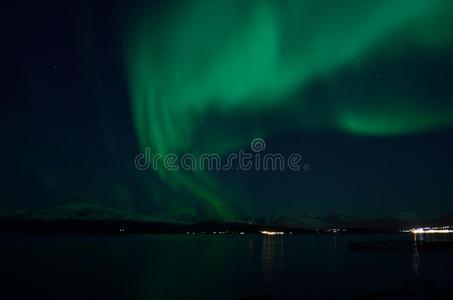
[361,89]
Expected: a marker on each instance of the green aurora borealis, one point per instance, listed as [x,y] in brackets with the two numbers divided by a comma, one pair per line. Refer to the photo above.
[238,60]
[361,89]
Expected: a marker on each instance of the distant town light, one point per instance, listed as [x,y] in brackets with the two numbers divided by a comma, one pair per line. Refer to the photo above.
[272,232]
[422,230]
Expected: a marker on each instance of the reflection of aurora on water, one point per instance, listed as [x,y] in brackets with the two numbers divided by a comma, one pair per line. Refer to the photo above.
[206,76]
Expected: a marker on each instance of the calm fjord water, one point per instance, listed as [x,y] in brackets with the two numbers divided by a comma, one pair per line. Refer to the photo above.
[218,267]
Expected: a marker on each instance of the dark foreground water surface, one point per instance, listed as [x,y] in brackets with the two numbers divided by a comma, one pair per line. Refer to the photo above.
[220,267]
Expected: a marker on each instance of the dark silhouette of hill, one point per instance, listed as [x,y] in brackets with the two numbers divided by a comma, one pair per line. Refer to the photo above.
[88,218]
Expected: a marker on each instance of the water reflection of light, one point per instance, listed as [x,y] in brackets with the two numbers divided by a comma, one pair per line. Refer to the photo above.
[250,251]
[335,249]
[271,257]
[416,258]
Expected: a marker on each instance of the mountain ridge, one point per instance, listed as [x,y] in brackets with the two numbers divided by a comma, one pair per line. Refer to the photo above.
[91,217]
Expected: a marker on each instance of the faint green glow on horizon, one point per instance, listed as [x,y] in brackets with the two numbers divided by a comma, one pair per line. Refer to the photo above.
[229,58]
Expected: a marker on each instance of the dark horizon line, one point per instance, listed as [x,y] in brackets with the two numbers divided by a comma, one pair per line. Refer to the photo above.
[15,225]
